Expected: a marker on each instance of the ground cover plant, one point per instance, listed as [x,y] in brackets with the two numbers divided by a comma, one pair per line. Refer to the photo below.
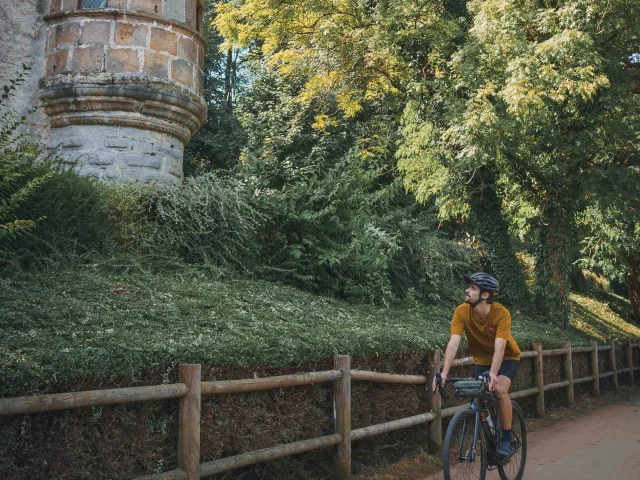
[100,323]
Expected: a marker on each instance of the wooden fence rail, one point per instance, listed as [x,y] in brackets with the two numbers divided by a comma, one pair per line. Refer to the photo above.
[191,389]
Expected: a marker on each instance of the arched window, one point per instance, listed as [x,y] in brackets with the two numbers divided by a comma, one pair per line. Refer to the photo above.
[93,3]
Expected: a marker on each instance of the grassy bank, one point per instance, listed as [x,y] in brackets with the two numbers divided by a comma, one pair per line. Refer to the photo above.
[112,324]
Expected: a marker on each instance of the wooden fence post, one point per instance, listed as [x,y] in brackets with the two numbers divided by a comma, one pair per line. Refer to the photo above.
[538,373]
[435,425]
[629,354]
[614,367]
[568,374]
[342,415]
[595,389]
[189,422]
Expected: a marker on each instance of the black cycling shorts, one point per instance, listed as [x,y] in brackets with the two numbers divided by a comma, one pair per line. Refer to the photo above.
[508,369]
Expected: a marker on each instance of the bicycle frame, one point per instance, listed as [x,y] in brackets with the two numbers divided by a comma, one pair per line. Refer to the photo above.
[477,407]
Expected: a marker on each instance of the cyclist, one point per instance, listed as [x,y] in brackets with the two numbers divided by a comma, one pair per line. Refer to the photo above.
[488,328]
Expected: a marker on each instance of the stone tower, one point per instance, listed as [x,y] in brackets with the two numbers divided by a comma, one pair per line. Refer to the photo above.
[120,83]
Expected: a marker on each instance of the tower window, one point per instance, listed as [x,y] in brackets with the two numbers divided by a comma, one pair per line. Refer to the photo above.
[93,3]
[199,18]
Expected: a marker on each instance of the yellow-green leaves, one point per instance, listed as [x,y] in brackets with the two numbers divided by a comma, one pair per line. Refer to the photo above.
[563,70]
[350,49]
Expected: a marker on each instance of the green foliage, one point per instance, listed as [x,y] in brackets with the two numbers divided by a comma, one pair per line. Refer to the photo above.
[44,209]
[16,187]
[326,232]
[429,265]
[89,321]
[74,216]
[538,94]
[14,153]
[205,220]
[218,143]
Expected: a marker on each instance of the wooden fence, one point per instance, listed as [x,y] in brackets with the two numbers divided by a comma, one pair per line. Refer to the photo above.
[190,390]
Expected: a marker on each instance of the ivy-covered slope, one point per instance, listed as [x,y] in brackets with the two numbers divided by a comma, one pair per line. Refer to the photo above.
[68,326]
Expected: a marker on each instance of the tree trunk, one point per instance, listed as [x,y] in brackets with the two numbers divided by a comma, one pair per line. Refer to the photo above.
[228,88]
[552,265]
[488,220]
[633,283]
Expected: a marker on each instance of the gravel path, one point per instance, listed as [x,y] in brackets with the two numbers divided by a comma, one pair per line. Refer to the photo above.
[603,444]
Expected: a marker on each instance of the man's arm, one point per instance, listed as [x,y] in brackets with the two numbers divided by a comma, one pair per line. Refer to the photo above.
[449,356]
[499,346]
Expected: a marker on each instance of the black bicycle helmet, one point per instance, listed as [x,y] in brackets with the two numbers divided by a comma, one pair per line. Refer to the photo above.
[485,281]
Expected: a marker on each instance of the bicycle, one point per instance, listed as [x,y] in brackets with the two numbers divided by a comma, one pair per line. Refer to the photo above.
[462,459]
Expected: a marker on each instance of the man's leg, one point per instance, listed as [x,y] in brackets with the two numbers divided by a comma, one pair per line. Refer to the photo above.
[506,410]
[506,413]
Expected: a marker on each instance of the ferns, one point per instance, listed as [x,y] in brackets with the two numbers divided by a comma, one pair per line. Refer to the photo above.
[14,152]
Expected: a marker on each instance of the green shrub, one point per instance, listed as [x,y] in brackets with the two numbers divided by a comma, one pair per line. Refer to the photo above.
[326,232]
[206,220]
[428,263]
[75,211]
[14,152]
[131,225]
[16,187]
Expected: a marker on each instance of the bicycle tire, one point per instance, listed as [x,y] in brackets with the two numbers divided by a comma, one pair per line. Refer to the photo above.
[510,471]
[451,466]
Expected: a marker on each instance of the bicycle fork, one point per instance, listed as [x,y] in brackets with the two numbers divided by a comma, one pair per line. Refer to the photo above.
[471,456]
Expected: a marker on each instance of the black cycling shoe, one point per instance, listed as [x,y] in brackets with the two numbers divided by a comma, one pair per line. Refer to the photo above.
[505,450]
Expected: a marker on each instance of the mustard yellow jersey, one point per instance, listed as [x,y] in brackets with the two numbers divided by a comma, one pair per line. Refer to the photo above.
[482,332]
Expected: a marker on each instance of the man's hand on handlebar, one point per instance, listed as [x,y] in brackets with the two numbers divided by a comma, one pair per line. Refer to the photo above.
[439,379]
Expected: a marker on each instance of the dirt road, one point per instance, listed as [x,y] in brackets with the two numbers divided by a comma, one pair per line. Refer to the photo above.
[603,444]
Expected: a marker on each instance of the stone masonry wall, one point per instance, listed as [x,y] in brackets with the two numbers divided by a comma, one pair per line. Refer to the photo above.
[123,86]
[87,41]
[22,40]
[120,153]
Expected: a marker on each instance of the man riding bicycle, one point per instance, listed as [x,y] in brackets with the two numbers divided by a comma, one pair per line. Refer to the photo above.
[488,328]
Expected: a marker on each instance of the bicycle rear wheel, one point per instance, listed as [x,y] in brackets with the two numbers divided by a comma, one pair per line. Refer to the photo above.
[458,460]
[514,470]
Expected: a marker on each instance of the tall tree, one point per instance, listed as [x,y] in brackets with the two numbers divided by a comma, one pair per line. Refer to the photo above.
[218,143]
[536,94]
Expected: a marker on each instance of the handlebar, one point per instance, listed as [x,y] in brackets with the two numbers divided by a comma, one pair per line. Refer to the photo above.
[485,376]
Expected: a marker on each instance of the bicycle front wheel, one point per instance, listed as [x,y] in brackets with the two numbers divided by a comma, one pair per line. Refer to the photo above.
[459,460]
[514,470]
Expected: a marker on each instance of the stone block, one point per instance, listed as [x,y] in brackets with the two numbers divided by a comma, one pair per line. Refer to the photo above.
[191,16]
[139,175]
[117,144]
[182,71]
[131,34]
[156,64]
[163,40]
[71,143]
[121,4]
[63,34]
[56,6]
[147,161]
[201,54]
[95,32]
[88,59]
[175,10]
[150,6]
[97,158]
[198,80]
[175,168]
[91,171]
[68,5]
[188,49]
[122,60]
[57,62]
